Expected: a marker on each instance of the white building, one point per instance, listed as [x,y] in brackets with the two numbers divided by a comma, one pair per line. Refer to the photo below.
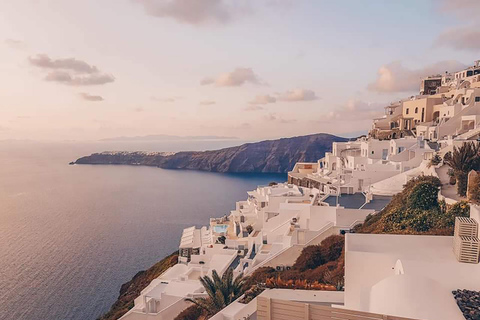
[409,276]
[270,228]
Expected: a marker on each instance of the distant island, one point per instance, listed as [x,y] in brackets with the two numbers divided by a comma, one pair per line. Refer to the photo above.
[270,156]
[166,137]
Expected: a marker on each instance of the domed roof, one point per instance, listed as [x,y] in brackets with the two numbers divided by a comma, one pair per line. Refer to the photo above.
[414,297]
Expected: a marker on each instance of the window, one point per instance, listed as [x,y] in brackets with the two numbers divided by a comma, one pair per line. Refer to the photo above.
[406,111]
[384,154]
[373,152]
[477,99]
[416,110]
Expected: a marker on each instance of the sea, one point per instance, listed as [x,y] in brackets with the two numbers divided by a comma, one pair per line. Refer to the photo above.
[71,235]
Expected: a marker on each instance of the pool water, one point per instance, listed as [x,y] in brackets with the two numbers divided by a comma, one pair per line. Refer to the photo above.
[220,228]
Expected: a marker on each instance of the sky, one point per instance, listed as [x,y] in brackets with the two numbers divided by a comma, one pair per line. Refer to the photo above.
[252,69]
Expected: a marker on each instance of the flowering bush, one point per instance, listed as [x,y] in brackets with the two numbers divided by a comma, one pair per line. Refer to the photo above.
[252,293]
[298,284]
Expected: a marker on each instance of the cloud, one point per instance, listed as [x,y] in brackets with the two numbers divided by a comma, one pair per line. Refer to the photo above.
[139,109]
[167,99]
[461,8]
[236,78]
[263,99]
[298,95]
[70,71]
[194,12]
[85,80]
[355,109]
[89,97]
[273,117]
[78,66]
[394,77]
[206,102]
[15,44]
[253,108]
[463,38]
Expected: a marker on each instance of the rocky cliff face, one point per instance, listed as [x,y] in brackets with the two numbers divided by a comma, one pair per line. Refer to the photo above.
[132,289]
[272,156]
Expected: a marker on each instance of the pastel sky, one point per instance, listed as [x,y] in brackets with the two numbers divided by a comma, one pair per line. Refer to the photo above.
[252,69]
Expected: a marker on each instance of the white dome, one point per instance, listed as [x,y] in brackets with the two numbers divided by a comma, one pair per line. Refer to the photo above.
[413,297]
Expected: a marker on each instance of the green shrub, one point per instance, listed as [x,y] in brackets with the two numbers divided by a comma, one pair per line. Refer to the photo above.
[424,195]
[474,190]
[459,209]
[313,256]
[191,313]
[435,160]
[310,258]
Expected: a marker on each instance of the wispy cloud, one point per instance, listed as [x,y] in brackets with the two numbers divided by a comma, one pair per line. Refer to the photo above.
[70,71]
[355,109]
[461,8]
[463,38]
[263,99]
[194,12]
[295,95]
[15,44]
[89,97]
[166,99]
[394,77]
[273,117]
[298,95]
[236,78]
[206,102]
[253,108]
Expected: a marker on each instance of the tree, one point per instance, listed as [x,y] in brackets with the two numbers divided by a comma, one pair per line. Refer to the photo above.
[435,160]
[462,160]
[221,291]
[221,239]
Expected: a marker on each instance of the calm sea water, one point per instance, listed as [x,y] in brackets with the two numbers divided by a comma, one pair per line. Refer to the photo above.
[71,235]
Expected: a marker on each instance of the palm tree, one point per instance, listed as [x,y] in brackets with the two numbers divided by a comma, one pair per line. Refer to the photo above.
[221,291]
[462,160]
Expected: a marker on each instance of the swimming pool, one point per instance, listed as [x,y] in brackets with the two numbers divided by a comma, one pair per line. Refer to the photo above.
[220,228]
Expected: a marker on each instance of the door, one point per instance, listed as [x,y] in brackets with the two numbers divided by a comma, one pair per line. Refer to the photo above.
[360,184]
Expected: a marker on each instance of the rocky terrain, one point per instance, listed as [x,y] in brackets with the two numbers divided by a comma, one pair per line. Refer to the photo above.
[131,289]
[469,302]
[270,156]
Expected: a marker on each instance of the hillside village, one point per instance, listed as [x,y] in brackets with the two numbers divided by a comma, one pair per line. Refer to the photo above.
[383,227]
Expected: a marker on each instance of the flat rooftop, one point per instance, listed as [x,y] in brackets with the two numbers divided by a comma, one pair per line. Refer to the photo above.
[356,200]
[421,290]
